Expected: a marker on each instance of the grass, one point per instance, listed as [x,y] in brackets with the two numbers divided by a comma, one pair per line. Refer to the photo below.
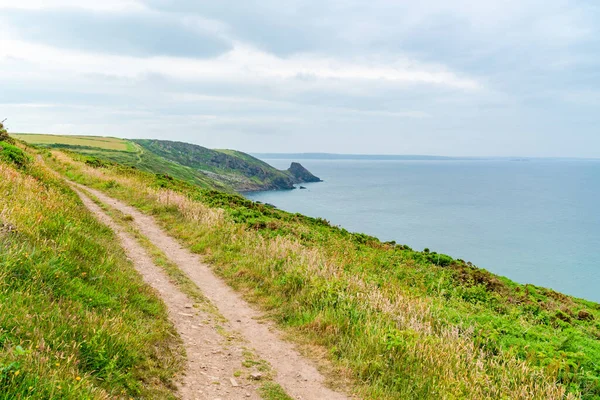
[272,391]
[76,320]
[183,282]
[222,170]
[269,390]
[105,143]
[399,323]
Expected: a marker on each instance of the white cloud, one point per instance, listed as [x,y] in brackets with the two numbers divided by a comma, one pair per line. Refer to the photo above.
[243,63]
[93,5]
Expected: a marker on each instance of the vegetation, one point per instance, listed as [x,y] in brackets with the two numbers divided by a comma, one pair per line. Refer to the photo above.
[234,168]
[13,155]
[76,321]
[399,323]
[272,391]
[104,143]
[225,170]
[4,137]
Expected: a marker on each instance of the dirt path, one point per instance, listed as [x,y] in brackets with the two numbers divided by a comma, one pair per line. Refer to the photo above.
[211,359]
[294,373]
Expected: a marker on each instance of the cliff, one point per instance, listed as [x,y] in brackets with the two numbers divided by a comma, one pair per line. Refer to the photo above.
[301,175]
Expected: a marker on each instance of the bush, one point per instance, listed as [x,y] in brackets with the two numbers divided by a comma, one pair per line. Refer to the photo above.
[441,260]
[4,134]
[14,155]
[95,162]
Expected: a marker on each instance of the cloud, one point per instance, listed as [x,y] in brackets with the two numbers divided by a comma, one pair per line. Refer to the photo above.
[465,77]
[240,64]
[139,34]
[93,5]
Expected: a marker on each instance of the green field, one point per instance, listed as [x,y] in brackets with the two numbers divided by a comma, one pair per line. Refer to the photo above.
[106,143]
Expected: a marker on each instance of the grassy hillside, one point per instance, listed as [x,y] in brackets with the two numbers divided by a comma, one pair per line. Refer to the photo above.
[226,170]
[76,320]
[398,323]
[233,168]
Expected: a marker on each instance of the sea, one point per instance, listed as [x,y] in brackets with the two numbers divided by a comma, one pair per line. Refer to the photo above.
[532,220]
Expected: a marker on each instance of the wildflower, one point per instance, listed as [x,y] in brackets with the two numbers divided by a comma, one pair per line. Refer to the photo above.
[78,378]
[17,373]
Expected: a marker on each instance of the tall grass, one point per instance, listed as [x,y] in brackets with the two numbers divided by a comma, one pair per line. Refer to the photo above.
[76,320]
[392,319]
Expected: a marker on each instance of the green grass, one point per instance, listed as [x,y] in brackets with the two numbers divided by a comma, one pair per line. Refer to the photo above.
[269,390]
[398,323]
[106,143]
[150,162]
[236,169]
[76,320]
[223,170]
[272,391]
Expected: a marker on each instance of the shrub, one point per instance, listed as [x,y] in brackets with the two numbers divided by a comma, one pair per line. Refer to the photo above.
[4,134]
[13,154]
[95,162]
[441,260]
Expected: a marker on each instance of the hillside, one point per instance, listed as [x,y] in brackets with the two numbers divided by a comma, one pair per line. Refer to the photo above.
[76,321]
[386,320]
[233,168]
[217,169]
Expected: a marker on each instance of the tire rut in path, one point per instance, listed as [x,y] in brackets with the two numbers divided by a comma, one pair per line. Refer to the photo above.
[294,373]
[211,361]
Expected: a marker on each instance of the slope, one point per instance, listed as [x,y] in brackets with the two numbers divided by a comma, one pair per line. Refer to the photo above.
[226,170]
[76,320]
[233,168]
[398,323]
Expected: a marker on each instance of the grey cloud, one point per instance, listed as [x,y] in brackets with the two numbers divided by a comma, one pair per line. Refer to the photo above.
[134,34]
[280,28]
[514,45]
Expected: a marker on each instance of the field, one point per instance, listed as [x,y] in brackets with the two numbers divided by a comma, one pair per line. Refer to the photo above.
[105,143]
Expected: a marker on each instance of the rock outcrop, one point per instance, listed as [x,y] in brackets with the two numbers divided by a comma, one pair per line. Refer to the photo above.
[301,175]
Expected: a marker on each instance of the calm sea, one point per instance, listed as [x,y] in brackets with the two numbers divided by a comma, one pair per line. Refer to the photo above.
[534,221]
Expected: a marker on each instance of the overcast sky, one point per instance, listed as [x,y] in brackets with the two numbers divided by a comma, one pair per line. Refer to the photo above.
[461,77]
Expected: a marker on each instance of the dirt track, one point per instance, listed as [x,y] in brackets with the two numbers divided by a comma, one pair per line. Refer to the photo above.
[212,360]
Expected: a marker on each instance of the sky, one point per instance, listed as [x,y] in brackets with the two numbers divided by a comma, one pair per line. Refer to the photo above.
[456,78]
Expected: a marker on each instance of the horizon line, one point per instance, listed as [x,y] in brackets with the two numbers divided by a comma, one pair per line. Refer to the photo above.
[419,155]
[313,153]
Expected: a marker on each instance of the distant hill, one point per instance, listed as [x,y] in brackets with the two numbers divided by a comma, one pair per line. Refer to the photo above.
[330,156]
[227,170]
[232,168]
